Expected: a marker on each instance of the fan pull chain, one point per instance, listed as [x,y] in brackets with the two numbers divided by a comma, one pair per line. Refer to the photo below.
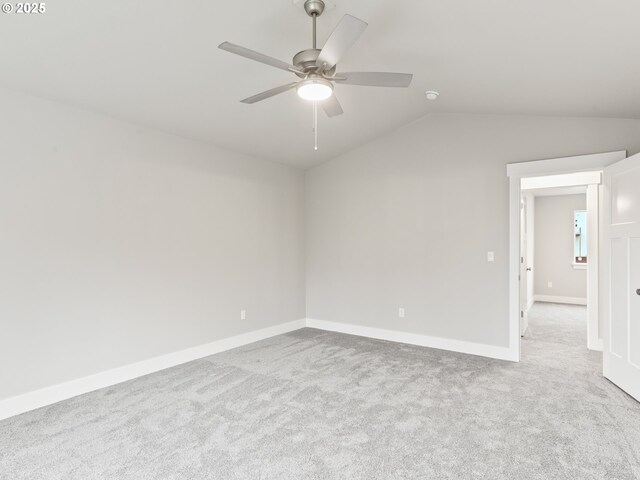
[315,125]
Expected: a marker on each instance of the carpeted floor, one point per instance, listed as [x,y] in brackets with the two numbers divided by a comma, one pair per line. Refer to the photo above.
[319,405]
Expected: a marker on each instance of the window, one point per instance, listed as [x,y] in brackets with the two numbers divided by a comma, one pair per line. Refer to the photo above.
[580,237]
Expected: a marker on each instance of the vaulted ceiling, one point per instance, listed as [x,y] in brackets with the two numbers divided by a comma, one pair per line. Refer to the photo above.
[157,63]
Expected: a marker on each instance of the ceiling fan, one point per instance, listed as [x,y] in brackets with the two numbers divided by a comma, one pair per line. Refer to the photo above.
[317,67]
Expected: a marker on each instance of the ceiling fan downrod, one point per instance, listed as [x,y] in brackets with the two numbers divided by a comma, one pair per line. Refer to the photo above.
[314,9]
[313,35]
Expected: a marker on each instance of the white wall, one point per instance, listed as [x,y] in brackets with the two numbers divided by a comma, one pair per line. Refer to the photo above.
[554,243]
[407,220]
[119,243]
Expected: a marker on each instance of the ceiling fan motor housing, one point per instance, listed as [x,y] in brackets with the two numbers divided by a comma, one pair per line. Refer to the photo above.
[306,60]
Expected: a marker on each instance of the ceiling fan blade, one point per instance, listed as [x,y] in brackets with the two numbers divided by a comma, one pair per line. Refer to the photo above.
[341,39]
[258,57]
[269,93]
[375,79]
[331,106]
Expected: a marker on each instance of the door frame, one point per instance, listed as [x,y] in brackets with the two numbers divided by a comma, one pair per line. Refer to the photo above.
[525,261]
[516,172]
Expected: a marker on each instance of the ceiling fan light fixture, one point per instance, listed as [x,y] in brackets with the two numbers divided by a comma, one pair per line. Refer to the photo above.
[315,89]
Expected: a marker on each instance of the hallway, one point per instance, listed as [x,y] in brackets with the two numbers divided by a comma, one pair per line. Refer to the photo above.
[557,338]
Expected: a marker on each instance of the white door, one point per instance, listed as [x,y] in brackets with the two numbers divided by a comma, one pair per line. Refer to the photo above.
[524,300]
[622,275]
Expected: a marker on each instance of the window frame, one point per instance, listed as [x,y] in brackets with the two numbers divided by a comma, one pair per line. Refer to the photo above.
[574,263]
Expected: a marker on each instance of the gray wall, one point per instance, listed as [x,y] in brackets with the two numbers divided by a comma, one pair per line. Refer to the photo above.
[554,235]
[118,243]
[407,220]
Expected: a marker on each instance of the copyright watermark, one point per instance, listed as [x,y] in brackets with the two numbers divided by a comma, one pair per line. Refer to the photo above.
[24,8]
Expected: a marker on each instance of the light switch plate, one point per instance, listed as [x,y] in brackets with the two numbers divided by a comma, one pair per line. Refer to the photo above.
[490,257]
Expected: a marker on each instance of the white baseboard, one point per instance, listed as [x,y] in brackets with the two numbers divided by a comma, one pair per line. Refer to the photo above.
[56,393]
[597,345]
[62,391]
[531,301]
[556,299]
[481,349]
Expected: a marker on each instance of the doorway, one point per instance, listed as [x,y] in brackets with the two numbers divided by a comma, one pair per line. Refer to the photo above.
[612,181]
[554,261]
[580,171]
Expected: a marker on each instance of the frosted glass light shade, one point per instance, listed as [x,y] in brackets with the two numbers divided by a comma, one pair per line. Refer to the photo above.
[315,89]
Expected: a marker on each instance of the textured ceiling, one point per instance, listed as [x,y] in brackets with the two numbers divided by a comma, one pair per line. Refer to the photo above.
[156,63]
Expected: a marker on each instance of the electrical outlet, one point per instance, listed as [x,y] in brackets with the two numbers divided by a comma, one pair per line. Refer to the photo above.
[401,312]
[550,284]
[490,257]
[243,314]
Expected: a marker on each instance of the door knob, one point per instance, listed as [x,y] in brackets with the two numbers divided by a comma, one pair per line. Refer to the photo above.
[638,291]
